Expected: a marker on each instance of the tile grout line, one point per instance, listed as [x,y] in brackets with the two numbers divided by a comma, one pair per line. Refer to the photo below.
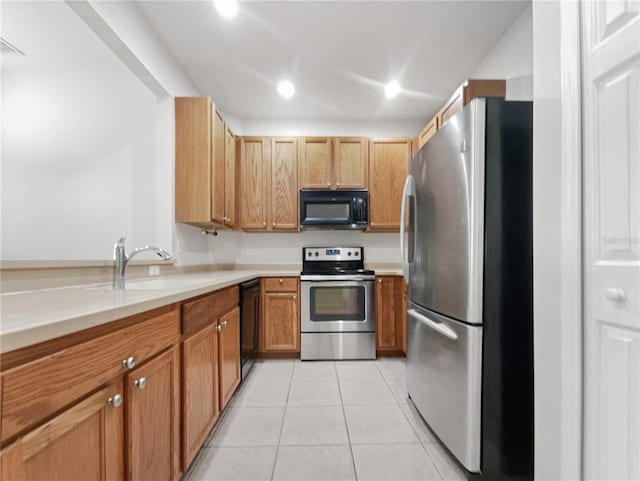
[346,426]
[284,414]
[410,423]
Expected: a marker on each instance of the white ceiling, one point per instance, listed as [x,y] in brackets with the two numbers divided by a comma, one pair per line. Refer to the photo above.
[338,54]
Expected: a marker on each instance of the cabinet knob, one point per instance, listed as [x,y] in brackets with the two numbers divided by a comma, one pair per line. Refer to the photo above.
[140,383]
[129,362]
[328,184]
[379,281]
[615,295]
[218,327]
[224,323]
[281,280]
[264,224]
[338,184]
[294,297]
[273,224]
[115,400]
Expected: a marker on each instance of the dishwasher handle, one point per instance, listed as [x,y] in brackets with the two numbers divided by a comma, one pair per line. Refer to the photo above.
[446,331]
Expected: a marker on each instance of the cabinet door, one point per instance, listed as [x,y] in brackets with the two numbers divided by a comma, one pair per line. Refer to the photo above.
[229,361]
[153,419]
[452,107]
[84,442]
[217,169]
[193,159]
[284,185]
[200,408]
[430,129]
[386,331]
[351,163]
[230,178]
[388,163]
[315,163]
[254,159]
[280,322]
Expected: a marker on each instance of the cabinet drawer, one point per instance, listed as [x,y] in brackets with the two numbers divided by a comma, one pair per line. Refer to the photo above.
[281,284]
[205,310]
[38,389]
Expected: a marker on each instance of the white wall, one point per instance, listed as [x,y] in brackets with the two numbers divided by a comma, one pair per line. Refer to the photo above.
[512,59]
[257,248]
[79,148]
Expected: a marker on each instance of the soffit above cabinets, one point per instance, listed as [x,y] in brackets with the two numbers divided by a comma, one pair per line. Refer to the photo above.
[339,55]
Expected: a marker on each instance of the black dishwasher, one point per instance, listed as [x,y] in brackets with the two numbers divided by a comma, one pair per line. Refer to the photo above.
[249,312]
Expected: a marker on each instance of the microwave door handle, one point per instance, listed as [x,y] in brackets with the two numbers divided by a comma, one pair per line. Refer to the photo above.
[408,191]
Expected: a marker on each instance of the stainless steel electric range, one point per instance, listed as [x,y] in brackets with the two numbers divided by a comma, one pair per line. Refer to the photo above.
[337,304]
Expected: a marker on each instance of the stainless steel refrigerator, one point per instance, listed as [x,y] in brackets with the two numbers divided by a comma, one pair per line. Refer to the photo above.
[467,254]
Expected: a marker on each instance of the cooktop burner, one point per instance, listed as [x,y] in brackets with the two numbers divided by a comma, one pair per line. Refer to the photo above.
[339,261]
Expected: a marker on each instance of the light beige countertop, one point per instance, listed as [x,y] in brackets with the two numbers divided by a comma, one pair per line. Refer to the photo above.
[31,317]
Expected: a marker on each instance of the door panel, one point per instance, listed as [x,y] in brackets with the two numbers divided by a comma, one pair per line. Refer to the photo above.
[351,163]
[153,419]
[386,309]
[611,109]
[229,361]
[253,175]
[284,185]
[84,442]
[315,163]
[281,329]
[446,273]
[444,372]
[200,390]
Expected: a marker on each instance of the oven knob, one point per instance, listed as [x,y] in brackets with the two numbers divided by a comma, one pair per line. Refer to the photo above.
[349,253]
[309,254]
[317,254]
[357,254]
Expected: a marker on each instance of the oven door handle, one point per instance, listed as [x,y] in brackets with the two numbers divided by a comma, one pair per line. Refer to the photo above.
[446,331]
[350,283]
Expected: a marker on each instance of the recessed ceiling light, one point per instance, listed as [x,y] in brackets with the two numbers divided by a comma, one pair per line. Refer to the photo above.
[286,89]
[227,8]
[392,89]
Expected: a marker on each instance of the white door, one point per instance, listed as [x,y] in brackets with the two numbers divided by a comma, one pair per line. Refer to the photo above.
[611,140]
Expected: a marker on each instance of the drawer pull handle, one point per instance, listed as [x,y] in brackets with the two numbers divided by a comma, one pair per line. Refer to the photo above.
[140,383]
[129,362]
[115,401]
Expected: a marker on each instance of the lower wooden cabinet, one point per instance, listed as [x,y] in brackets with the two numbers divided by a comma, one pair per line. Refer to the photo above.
[391,311]
[280,328]
[200,387]
[84,442]
[153,419]
[229,358]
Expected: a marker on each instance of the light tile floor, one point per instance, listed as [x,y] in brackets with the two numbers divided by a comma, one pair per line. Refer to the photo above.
[328,421]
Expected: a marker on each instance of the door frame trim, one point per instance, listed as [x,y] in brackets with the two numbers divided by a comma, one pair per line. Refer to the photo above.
[558,224]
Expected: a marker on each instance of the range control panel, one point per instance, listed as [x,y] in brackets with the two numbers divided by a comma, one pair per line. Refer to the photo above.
[332,253]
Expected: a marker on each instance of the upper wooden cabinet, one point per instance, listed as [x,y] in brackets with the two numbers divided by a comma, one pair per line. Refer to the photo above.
[255,157]
[338,163]
[204,175]
[428,131]
[269,193]
[315,163]
[464,94]
[388,163]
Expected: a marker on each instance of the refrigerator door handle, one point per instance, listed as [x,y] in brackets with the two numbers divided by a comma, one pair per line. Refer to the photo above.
[408,191]
[436,326]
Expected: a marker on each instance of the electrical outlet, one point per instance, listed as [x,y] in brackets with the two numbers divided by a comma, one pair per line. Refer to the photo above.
[154,270]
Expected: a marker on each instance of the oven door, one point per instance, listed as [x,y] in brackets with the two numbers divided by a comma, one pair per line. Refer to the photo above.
[337,306]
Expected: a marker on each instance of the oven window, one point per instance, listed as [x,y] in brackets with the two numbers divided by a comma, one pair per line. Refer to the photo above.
[340,303]
[327,211]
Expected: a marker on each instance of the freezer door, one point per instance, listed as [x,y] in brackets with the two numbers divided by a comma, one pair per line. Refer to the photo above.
[446,229]
[444,373]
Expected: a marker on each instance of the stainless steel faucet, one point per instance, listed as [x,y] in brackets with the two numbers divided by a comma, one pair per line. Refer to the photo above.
[120,260]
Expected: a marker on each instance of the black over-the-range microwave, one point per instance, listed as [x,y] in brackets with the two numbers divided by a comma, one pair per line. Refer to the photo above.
[334,209]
